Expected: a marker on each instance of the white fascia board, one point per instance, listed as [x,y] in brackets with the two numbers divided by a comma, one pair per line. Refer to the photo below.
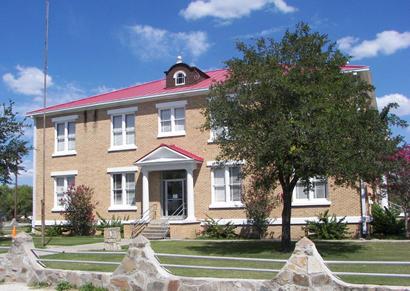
[122,169]
[122,110]
[179,103]
[64,173]
[64,118]
[187,93]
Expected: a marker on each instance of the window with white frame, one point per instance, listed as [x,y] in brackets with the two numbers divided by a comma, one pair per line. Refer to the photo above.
[180,78]
[123,190]
[122,128]
[61,186]
[226,186]
[314,192]
[171,118]
[64,135]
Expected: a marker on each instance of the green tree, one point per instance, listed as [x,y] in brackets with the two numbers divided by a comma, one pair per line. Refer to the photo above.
[289,112]
[13,147]
[24,201]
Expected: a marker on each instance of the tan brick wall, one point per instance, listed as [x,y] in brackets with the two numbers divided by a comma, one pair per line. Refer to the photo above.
[93,159]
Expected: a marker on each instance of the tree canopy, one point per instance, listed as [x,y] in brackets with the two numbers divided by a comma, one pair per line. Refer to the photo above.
[13,147]
[289,112]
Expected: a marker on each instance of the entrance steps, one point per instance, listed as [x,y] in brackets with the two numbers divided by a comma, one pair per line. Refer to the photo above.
[156,229]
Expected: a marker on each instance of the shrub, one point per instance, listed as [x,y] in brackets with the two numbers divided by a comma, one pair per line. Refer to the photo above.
[217,231]
[56,229]
[64,285]
[79,210]
[91,287]
[327,227]
[259,203]
[386,222]
[114,222]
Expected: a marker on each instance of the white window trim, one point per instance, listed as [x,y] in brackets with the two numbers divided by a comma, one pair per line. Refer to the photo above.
[175,77]
[123,206]
[122,112]
[61,174]
[65,120]
[311,201]
[171,106]
[228,203]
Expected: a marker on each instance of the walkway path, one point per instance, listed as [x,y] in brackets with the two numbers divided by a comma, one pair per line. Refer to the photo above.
[20,287]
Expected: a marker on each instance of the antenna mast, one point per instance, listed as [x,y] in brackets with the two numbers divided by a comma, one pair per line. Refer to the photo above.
[43,211]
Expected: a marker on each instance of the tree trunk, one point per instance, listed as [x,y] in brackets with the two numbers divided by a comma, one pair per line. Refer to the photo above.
[286,215]
[406,223]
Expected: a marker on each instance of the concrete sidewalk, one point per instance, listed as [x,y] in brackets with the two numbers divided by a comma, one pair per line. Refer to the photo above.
[20,287]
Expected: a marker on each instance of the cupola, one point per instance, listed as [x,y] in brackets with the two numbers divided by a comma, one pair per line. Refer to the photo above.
[181,74]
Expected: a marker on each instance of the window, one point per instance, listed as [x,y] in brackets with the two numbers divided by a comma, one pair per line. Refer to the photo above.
[316,193]
[61,185]
[64,135]
[171,116]
[123,129]
[123,191]
[179,78]
[226,187]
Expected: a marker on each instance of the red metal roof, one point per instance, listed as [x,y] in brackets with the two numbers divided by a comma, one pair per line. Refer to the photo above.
[176,149]
[154,88]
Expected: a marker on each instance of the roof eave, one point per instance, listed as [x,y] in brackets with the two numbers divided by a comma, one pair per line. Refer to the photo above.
[179,94]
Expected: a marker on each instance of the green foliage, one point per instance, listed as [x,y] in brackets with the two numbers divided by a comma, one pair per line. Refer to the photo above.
[56,229]
[386,221]
[288,111]
[79,209]
[215,230]
[259,203]
[39,285]
[115,221]
[91,287]
[327,227]
[13,147]
[64,285]
[24,201]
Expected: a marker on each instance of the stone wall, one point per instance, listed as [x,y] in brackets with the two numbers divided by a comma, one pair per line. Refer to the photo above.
[140,270]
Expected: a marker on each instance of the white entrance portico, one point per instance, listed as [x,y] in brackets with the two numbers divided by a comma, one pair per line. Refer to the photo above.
[169,158]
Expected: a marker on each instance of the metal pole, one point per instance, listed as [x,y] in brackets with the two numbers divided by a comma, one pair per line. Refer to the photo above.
[43,214]
[15,191]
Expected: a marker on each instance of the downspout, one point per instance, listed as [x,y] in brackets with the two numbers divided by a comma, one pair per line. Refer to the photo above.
[384,194]
[363,208]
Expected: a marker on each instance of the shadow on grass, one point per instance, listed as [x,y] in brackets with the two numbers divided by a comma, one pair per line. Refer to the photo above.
[338,249]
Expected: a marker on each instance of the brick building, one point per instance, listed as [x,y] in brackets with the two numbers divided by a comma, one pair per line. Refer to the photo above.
[143,152]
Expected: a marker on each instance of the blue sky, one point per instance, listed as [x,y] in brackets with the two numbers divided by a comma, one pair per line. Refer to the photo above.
[97,46]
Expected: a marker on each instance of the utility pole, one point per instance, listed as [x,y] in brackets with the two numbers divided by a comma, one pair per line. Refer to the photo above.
[43,210]
[16,189]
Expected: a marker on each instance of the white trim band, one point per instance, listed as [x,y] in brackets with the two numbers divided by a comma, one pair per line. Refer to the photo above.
[179,103]
[122,110]
[224,163]
[64,118]
[64,173]
[122,169]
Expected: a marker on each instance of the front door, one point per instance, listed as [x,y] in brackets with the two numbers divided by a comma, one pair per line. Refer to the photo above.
[174,197]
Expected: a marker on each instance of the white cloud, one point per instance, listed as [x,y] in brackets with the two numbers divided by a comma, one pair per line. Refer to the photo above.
[386,43]
[27,80]
[148,42]
[401,100]
[231,9]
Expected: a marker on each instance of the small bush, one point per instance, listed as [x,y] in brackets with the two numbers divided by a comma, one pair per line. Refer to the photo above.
[91,287]
[64,285]
[79,210]
[56,229]
[114,222]
[215,230]
[327,227]
[386,222]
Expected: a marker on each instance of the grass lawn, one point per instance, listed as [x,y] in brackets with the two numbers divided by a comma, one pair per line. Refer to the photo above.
[392,251]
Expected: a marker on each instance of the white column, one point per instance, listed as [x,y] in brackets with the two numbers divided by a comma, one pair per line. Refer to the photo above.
[145,194]
[384,195]
[190,194]
[363,196]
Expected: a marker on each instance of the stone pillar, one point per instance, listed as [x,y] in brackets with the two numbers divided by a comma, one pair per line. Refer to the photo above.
[190,194]
[145,194]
